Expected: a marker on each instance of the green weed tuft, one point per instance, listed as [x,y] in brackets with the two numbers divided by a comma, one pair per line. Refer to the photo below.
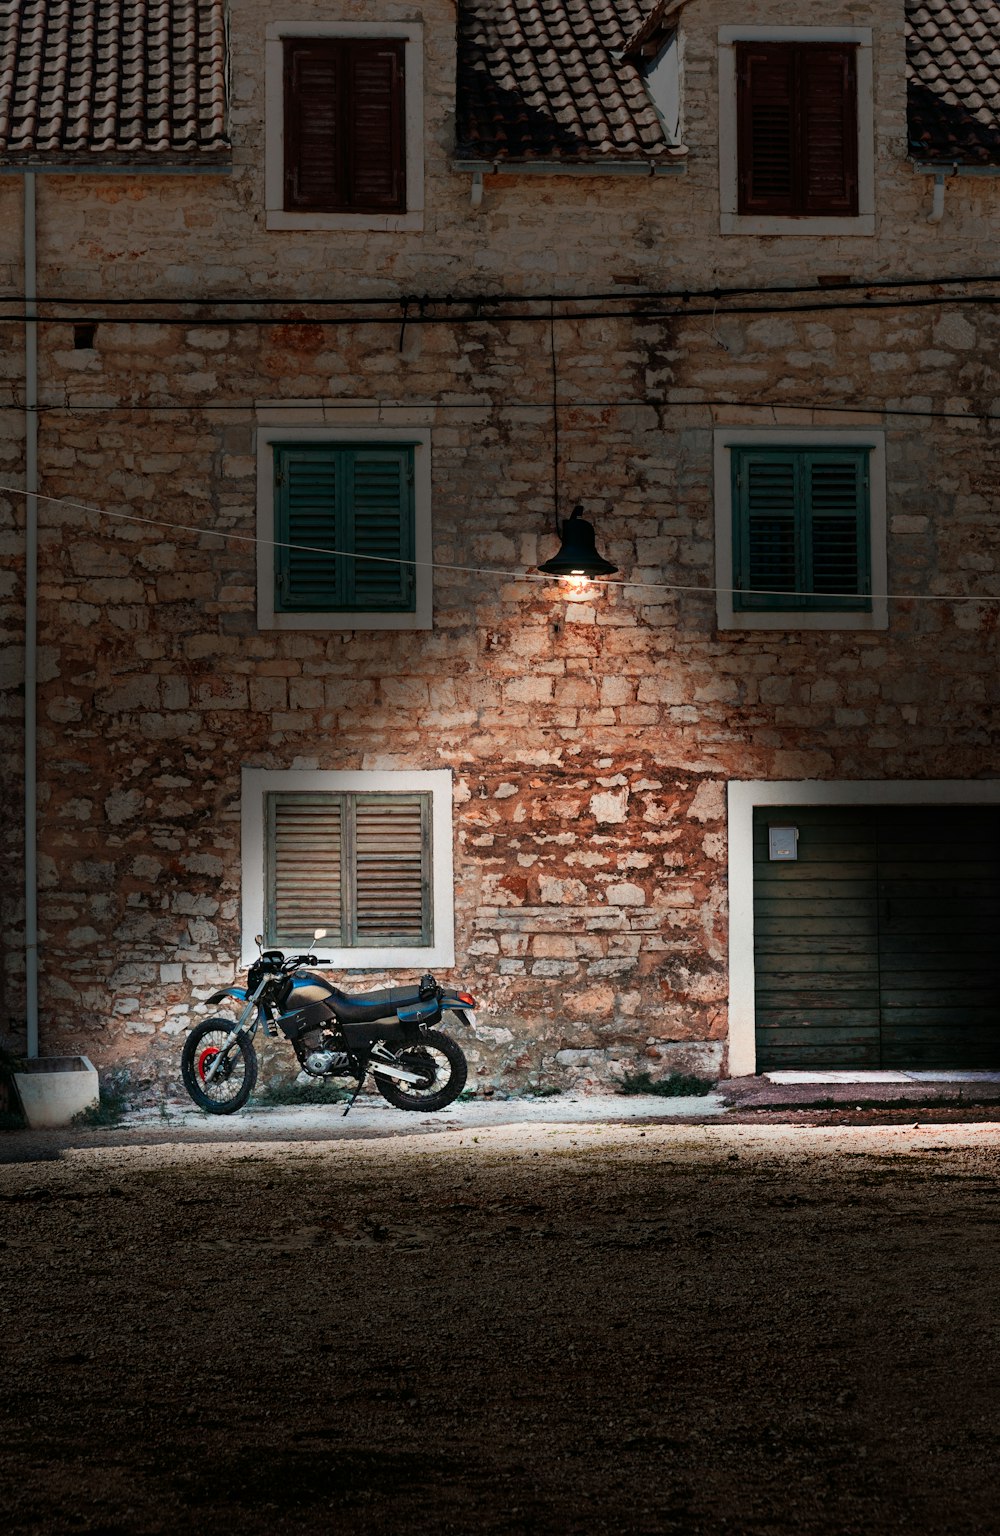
[540,1091]
[317,1091]
[679,1085]
[115,1097]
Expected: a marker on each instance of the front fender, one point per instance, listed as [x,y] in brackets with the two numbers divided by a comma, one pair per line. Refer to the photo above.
[237,992]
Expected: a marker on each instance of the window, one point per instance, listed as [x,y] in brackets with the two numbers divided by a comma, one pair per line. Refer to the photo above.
[344,148]
[800,529]
[343,529]
[357,865]
[367,856]
[344,126]
[798,137]
[343,526]
[796,130]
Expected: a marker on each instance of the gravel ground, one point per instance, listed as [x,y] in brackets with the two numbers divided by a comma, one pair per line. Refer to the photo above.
[527,1328]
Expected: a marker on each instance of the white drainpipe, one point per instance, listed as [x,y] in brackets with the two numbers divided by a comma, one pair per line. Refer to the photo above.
[937,201]
[30,618]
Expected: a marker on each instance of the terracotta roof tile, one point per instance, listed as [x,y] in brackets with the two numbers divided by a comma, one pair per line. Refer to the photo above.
[545,80]
[133,79]
[953,80]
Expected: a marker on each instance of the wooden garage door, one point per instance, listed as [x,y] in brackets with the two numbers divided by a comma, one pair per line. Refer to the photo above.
[879,946]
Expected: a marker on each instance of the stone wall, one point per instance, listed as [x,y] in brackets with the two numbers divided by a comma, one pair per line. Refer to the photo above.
[591,737]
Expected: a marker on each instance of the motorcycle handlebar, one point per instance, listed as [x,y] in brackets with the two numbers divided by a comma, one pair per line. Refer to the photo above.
[292,962]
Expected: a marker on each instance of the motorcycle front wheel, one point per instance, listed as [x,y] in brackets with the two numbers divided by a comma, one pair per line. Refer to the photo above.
[442,1067]
[234,1080]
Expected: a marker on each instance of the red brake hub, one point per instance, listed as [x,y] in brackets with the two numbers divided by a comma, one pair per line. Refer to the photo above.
[205,1060]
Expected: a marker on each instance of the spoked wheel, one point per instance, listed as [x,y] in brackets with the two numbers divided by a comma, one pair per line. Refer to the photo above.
[442,1067]
[233,1081]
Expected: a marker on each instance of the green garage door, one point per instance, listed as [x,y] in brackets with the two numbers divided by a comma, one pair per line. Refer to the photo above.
[879,945]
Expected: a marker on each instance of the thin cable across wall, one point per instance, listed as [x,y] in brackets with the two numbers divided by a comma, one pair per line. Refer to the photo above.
[654,402]
[519,316]
[718,292]
[604,584]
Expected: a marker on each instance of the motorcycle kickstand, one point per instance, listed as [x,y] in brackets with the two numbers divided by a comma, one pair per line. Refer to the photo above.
[350,1102]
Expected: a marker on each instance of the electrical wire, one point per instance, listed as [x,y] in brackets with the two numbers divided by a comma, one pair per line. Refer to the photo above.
[267,322]
[656,402]
[605,583]
[718,292]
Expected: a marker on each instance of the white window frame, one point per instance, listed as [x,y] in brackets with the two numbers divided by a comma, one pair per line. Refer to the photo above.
[270,436]
[731,222]
[727,438]
[280,218]
[257,783]
[744,798]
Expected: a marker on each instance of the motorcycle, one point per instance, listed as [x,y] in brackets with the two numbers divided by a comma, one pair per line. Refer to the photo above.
[390,1034]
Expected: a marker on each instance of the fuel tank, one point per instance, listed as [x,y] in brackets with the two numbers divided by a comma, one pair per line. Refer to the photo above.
[309,987]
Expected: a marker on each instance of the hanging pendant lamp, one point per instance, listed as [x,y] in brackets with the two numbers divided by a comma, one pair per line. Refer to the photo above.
[577,554]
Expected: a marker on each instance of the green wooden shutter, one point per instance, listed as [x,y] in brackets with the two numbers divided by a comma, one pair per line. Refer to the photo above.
[309,529]
[304,869]
[333,502]
[837,556]
[766,528]
[801,535]
[381,529]
[392,870]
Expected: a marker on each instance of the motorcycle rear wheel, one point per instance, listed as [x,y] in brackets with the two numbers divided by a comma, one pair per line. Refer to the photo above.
[233,1083]
[441,1060]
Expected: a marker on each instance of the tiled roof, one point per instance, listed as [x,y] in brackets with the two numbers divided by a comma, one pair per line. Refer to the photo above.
[128,79]
[544,80]
[953,80]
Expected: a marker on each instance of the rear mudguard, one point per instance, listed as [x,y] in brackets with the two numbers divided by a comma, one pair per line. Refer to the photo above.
[463,1013]
[237,992]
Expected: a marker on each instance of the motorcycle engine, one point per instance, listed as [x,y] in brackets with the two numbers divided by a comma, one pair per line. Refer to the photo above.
[319,1054]
[325,1063]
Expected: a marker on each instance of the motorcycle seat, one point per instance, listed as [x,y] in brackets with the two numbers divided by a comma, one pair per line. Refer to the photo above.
[367,1007]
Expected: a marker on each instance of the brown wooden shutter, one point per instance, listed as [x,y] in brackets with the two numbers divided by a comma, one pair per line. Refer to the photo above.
[378,165]
[305,874]
[314,147]
[829,129]
[344,138]
[392,869]
[797,136]
[765,75]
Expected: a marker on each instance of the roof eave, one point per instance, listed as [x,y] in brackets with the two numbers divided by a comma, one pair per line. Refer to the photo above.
[509,167]
[208,164]
[952,167]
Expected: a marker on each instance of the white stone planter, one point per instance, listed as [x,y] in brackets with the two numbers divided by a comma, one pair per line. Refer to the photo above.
[53,1089]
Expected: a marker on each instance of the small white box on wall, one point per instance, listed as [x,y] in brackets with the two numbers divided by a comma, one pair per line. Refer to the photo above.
[782,843]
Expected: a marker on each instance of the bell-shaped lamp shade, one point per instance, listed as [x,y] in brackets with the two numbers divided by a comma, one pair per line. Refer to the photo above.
[577,554]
